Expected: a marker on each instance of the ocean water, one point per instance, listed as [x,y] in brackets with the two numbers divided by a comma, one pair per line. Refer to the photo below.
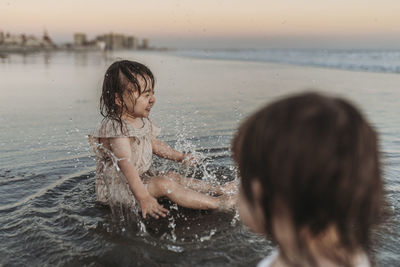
[48,209]
[359,60]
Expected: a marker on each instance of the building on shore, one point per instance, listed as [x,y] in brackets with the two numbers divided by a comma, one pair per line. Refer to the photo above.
[32,41]
[80,39]
[131,42]
[145,44]
[24,40]
[109,41]
[25,43]
[115,41]
[46,40]
[12,40]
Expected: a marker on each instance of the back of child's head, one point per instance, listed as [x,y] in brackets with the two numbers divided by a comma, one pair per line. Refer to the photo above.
[123,77]
[317,157]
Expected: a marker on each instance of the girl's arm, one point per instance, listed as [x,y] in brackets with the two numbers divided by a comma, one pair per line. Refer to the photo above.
[163,150]
[121,148]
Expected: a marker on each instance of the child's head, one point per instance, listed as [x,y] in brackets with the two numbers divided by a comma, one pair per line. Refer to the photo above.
[312,160]
[128,89]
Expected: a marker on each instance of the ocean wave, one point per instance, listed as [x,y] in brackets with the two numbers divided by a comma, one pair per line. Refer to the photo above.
[357,60]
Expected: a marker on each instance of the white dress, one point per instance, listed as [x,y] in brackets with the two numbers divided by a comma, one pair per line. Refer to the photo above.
[112,187]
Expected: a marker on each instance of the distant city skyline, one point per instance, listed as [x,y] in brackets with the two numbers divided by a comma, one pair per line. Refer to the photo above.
[214,23]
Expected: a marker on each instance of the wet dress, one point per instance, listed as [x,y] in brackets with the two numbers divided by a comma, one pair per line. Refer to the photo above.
[112,187]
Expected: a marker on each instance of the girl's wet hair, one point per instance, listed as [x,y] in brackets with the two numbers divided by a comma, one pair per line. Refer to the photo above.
[317,157]
[122,76]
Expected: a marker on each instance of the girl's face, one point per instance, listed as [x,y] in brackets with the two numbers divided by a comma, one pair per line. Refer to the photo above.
[139,106]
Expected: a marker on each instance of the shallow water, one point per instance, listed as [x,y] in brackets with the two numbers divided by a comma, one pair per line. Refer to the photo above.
[48,209]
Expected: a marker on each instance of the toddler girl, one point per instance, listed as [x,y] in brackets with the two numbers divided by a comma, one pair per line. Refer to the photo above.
[125,142]
[310,180]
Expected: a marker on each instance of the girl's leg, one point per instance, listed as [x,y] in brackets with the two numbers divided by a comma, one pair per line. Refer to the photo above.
[185,197]
[203,187]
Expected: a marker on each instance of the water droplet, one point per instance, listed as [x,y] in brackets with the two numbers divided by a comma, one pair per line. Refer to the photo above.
[175,248]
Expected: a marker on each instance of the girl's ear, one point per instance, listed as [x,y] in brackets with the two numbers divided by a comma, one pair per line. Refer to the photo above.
[256,188]
[258,210]
[118,100]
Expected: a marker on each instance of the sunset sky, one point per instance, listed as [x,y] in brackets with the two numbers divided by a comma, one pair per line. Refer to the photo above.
[213,23]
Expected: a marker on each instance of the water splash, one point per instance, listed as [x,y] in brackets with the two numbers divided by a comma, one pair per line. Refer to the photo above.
[208,237]
[178,226]
[172,226]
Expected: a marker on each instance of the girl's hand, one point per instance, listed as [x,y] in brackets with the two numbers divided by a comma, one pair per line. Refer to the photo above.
[150,206]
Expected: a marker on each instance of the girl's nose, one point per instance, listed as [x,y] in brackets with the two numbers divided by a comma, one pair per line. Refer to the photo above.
[152,99]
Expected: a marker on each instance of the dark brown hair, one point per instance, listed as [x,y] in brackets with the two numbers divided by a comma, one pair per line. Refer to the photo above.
[122,76]
[317,156]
